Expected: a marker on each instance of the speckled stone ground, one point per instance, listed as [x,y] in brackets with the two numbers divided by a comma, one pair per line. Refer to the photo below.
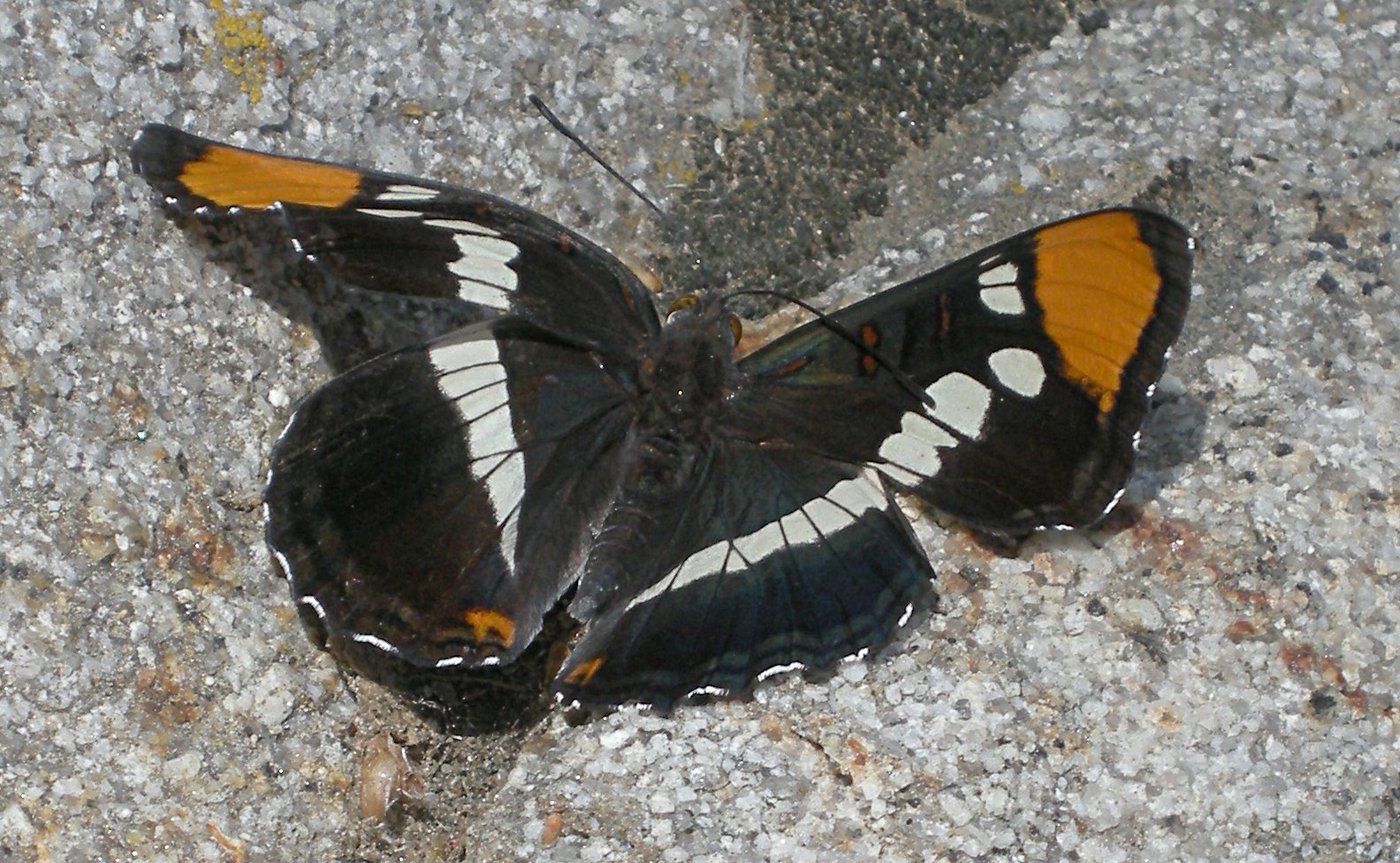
[1212,676]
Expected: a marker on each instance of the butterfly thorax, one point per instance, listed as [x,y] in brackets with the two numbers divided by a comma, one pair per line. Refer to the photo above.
[682,386]
[683,383]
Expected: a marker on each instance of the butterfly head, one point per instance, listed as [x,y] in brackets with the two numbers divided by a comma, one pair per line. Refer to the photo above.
[688,307]
[691,365]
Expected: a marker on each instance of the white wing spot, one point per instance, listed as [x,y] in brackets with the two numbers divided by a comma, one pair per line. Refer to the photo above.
[506,486]
[997,276]
[858,494]
[391,214]
[797,528]
[761,543]
[901,475]
[406,193]
[1108,507]
[467,365]
[486,248]
[779,669]
[702,564]
[717,691]
[846,502]
[311,601]
[484,269]
[375,641]
[1019,369]
[911,454]
[1004,300]
[462,226]
[464,382]
[474,380]
[483,264]
[960,403]
[826,516]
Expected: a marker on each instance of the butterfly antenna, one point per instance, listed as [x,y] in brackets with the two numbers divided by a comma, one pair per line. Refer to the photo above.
[673,227]
[826,320]
[564,130]
[678,233]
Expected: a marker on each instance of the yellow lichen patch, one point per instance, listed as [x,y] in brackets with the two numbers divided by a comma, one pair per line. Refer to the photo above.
[242,46]
[676,166]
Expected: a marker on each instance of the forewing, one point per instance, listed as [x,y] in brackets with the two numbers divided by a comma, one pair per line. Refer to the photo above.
[404,235]
[777,559]
[1006,389]
[429,506]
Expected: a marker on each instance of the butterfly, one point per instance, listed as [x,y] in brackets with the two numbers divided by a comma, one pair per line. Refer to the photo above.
[717,519]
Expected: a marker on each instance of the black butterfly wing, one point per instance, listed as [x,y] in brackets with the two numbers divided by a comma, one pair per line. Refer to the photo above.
[776,559]
[1006,389]
[405,235]
[430,505]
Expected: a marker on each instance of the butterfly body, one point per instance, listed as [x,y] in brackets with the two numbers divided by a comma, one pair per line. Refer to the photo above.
[684,383]
[717,518]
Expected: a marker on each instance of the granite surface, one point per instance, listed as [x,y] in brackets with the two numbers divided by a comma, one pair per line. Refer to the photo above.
[1211,676]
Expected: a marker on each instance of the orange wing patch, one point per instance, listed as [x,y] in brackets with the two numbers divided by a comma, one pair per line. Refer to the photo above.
[584,673]
[490,626]
[230,177]
[1097,283]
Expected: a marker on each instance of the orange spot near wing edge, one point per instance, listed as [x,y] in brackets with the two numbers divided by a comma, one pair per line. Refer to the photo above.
[490,626]
[1097,283]
[231,177]
[584,673]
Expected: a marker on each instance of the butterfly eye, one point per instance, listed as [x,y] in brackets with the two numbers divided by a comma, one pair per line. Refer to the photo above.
[736,327]
[683,303]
